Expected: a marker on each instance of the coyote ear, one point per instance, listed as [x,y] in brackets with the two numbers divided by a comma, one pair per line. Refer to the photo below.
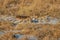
[22,16]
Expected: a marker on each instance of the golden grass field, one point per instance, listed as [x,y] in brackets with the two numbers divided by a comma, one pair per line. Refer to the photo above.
[29,9]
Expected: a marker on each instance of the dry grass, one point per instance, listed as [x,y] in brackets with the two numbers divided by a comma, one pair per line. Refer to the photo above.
[30,8]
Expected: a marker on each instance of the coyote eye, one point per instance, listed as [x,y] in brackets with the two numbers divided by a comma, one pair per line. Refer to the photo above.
[34,20]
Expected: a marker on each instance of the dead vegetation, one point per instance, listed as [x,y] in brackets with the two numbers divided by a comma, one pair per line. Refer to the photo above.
[25,10]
